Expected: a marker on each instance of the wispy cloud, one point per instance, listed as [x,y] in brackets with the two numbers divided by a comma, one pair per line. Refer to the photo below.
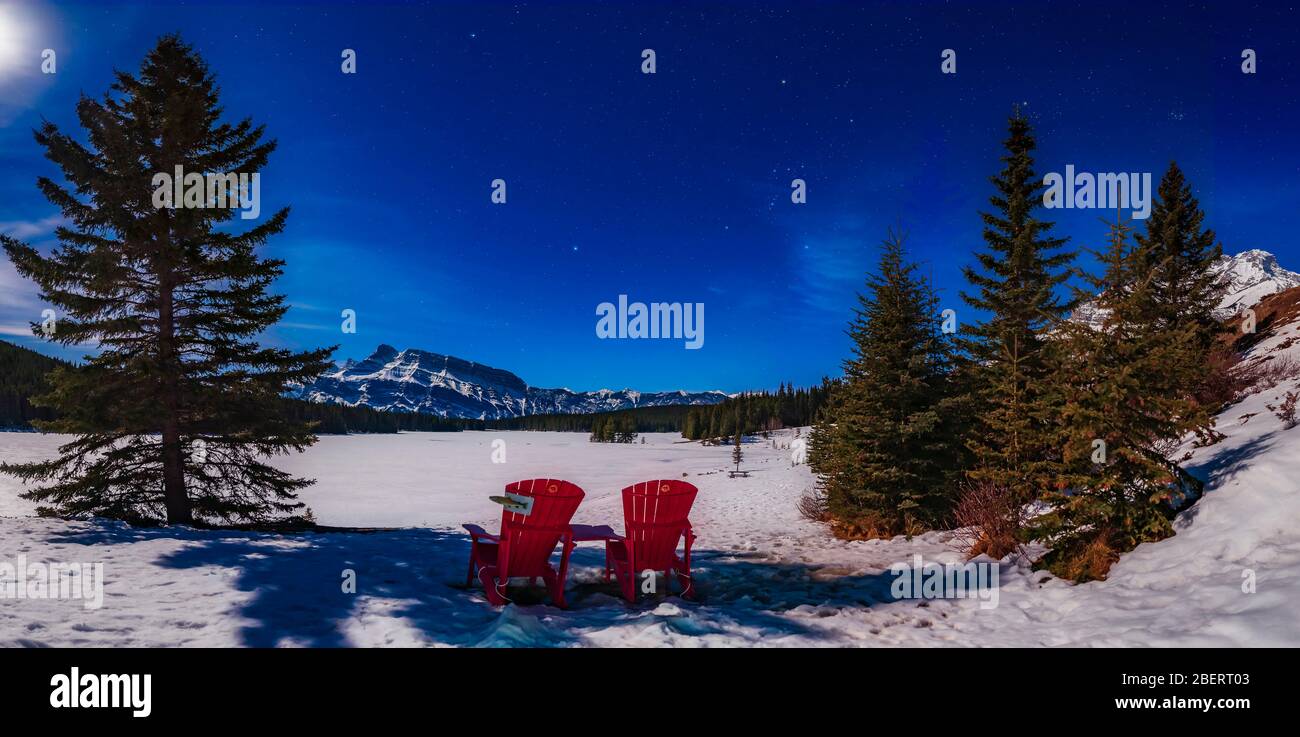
[15,291]
[305,326]
[19,302]
[19,297]
[20,331]
[23,229]
[830,266]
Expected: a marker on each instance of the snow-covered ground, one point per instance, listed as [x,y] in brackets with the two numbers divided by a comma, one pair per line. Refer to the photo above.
[766,576]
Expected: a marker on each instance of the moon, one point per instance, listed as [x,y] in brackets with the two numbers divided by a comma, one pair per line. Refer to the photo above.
[19,55]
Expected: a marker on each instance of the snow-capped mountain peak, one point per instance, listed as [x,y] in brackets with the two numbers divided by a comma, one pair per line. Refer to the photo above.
[1249,277]
[414,380]
[1246,278]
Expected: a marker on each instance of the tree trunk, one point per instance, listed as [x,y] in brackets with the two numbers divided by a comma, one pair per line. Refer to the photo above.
[177,501]
[174,496]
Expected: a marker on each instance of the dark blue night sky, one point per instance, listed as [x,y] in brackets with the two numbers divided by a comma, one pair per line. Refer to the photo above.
[673,186]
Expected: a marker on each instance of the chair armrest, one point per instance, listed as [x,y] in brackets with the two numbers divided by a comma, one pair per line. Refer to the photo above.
[593,533]
[476,532]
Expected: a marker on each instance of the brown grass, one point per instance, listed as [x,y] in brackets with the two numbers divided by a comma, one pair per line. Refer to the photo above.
[1274,312]
[863,527]
[1087,562]
[1230,378]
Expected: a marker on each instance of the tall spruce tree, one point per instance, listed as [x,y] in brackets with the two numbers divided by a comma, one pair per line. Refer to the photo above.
[1017,284]
[884,448]
[737,454]
[176,413]
[1178,254]
[1121,411]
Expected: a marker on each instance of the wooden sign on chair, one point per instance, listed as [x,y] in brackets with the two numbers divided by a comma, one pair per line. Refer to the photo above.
[517,503]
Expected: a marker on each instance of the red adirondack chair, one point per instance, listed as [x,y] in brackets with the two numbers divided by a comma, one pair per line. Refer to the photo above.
[655,520]
[524,547]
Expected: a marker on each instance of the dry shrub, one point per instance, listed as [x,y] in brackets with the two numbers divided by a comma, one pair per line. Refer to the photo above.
[1230,379]
[1286,411]
[991,517]
[1226,381]
[812,505]
[1270,371]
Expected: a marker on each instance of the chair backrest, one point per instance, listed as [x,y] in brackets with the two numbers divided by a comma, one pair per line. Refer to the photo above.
[527,541]
[655,514]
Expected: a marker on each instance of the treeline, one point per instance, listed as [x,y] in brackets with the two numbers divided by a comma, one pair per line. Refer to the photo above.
[667,418]
[616,428]
[755,412]
[22,376]
[23,372]
[934,428]
[339,419]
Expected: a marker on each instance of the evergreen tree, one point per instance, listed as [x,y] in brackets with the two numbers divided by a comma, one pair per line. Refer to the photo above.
[884,450]
[173,416]
[1178,253]
[1121,412]
[626,432]
[728,425]
[1006,368]
[691,426]
[755,412]
[737,455]
[614,428]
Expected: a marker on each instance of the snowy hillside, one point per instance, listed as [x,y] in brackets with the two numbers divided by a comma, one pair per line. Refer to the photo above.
[431,383]
[1247,278]
[766,576]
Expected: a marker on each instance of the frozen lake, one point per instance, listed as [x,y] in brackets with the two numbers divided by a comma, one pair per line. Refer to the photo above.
[766,576]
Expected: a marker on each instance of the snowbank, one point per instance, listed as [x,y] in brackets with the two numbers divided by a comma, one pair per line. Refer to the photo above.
[766,576]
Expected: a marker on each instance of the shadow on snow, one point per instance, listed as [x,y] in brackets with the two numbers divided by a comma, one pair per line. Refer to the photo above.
[418,575]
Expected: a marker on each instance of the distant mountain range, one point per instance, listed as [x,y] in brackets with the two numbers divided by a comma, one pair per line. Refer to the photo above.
[1247,278]
[431,383]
